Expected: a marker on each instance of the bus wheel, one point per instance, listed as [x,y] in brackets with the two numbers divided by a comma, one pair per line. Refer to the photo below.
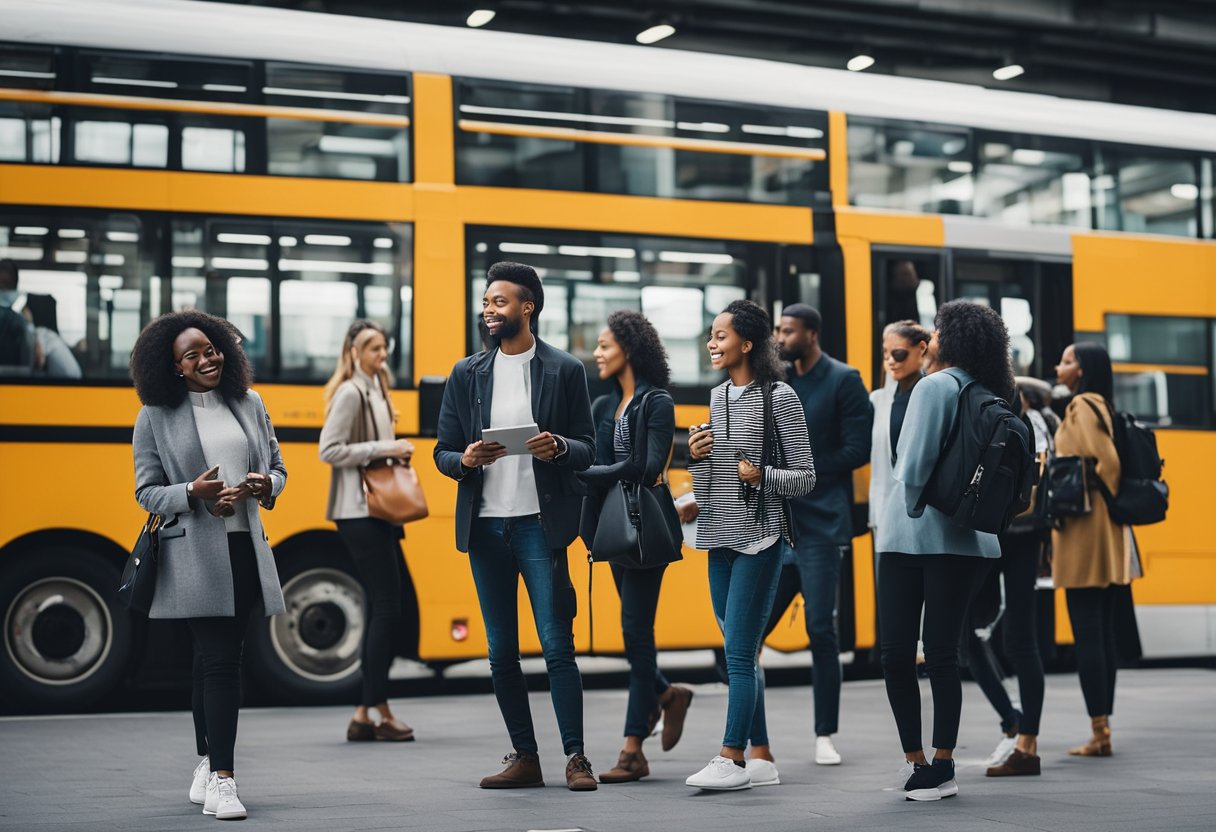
[310,655]
[67,641]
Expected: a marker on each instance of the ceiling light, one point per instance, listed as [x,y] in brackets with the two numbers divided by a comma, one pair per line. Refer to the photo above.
[71,233]
[122,236]
[695,257]
[480,17]
[30,230]
[184,262]
[243,239]
[288,242]
[336,266]
[656,33]
[356,145]
[596,251]
[524,248]
[135,82]
[958,166]
[248,263]
[326,240]
[1028,156]
[382,242]
[859,62]
[1008,72]
[1185,190]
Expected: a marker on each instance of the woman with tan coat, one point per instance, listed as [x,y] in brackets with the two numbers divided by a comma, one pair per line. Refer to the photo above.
[358,429]
[1090,552]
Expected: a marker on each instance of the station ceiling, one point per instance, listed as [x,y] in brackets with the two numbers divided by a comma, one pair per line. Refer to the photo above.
[1159,53]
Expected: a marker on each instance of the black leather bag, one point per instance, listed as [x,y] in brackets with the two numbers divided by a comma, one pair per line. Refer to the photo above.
[138,583]
[1068,487]
[638,527]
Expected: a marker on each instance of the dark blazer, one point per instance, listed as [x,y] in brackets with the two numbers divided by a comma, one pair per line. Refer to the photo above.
[560,405]
[839,418]
[195,575]
[657,431]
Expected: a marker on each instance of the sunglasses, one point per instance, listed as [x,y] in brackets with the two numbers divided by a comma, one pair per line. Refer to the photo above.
[899,356]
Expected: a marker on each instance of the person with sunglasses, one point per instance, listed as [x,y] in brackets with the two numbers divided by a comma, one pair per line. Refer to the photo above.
[358,428]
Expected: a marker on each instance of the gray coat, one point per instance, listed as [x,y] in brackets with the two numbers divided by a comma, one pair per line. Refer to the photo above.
[194,578]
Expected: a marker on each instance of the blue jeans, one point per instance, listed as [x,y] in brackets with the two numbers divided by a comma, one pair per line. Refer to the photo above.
[501,550]
[741,588]
[813,569]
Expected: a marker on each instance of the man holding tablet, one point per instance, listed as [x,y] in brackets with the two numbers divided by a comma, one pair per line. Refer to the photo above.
[516,511]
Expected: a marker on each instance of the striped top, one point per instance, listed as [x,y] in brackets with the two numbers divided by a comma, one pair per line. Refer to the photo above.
[726,519]
[621,446]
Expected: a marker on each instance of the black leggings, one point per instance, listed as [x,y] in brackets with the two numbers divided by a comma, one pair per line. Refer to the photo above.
[1092,612]
[218,643]
[373,547]
[1019,566]
[639,591]
[940,585]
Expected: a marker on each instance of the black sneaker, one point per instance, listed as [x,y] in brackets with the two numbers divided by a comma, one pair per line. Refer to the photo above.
[932,782]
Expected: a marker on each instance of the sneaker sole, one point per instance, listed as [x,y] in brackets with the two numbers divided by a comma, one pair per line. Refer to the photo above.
[942,792]
[233,816]
[828,762]
[537,785]
[738,788]
[776,781]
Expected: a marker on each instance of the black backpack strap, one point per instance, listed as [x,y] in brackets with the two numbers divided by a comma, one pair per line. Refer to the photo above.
[1101,422]
[951,435]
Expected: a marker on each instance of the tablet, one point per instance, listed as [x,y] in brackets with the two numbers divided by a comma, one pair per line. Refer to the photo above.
[513,439]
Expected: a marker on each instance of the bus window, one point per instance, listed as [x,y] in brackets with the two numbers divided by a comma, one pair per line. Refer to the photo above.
[680,284]
[1162,368]
[1157,194]
[909,167]
[907,287]
[1032,180]
[105,140]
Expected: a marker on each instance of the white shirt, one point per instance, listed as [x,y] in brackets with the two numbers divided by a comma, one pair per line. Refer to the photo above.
[509,484]
[224,444]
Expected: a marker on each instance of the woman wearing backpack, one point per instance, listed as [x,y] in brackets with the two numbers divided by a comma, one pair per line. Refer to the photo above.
[926,562]
[753,454]
[630,353]
[1090,552]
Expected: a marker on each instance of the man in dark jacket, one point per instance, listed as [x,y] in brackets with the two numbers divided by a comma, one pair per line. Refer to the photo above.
[839,418]
[517,513]
[16,333]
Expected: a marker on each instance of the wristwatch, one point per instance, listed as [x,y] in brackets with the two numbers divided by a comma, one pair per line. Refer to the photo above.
[190,489]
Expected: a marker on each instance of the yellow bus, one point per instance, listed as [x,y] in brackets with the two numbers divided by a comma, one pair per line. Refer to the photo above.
[291,171]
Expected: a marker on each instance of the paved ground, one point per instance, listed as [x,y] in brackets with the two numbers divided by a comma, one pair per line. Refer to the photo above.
[132,771]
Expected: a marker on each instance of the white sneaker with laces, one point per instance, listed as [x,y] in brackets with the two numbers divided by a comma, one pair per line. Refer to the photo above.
[721,774]
[1004,748]
[905,771]
[763,773]
[198,788]
[947,789]
[825,752]
[222,800]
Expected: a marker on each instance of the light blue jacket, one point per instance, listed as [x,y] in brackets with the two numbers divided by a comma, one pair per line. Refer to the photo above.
[931,412]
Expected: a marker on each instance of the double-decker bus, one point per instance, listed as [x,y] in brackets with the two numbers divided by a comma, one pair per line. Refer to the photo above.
[291,171]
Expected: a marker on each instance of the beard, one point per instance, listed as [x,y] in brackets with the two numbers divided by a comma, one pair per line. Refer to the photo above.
[509,328]
[790,355]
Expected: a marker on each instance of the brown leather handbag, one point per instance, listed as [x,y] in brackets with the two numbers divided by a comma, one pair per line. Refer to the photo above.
[390,485]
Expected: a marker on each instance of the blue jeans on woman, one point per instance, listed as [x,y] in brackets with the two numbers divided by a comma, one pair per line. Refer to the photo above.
[741,588]
[501,550]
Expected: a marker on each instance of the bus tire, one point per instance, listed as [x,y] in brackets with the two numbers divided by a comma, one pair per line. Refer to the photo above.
[67,640]
[311,654]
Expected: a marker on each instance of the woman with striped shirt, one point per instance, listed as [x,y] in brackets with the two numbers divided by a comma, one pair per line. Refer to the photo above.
[753,454]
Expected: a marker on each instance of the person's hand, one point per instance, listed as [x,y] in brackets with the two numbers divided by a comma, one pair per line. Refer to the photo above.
[701,445]
[401,449]
[259,486]
[225,503]
[208,485]
[543,446]
[482,453]
[688,511]
[748,473]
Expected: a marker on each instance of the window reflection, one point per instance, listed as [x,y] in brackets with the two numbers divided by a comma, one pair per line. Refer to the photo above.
[909,168]
[1158,196]
[1034,182]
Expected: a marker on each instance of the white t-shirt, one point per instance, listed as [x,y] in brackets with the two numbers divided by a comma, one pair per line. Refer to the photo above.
[509,484]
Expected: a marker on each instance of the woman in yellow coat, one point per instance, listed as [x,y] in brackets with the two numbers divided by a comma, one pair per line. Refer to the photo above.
[1090,552]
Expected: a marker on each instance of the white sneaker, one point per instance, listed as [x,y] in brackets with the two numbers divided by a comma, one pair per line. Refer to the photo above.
[947,789]
[763,773]
[222,800]
[721,774]
[1003,749]
[825,752]
[198,788]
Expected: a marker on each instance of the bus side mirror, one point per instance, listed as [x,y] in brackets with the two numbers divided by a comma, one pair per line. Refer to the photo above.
[430,397]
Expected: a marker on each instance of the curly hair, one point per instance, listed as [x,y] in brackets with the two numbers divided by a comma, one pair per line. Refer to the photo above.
[973,337]
[754,324]
[156,380]
[641,343]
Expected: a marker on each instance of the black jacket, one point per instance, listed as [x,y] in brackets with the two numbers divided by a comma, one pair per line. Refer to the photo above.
[560,405]
[657,432]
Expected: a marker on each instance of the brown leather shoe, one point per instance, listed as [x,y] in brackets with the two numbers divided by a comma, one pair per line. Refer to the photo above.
[1019,764]
[522,772]
[674,712]
[579,776]
[1100,745]
[360,732]
[394,730]
[630,766]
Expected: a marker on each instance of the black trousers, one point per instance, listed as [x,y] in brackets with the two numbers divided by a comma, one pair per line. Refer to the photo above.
[1092,612]
[218,644]
[374,548]
[940,585]
[1019,567]
[639,591]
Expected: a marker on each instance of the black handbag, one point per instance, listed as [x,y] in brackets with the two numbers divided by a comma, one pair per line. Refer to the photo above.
[1068,487]
[638,525]
[138,583]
